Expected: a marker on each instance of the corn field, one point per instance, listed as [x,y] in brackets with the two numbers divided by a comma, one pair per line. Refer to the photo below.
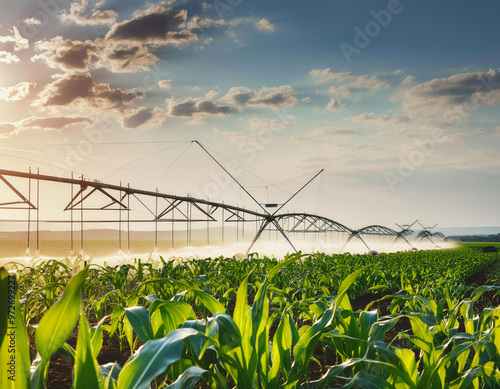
[257,322]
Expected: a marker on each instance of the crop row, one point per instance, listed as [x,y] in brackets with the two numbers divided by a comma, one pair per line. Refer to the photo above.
[257,323]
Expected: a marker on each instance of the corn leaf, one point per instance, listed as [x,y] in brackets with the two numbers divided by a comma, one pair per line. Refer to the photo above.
[86,374]
[58,323]
[188,379]
[153,359]
[139,320]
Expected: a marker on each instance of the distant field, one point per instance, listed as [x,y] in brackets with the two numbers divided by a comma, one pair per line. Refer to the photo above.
[481,244]
[10,248]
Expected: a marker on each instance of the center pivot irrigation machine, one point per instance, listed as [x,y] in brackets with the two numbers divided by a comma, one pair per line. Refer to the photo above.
[96,203]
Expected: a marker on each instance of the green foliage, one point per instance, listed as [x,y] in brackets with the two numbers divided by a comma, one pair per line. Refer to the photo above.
[259,322]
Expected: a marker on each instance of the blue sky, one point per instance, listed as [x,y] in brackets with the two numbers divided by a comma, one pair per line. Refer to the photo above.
[406,126]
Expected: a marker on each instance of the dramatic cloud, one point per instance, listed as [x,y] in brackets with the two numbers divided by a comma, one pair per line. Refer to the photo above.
[144,118]
[71,55]
[16,92]
[126,58]
[66,54]
[199,107]
[157,25]
[458,93]
[322,134]
[264,25]
[335,105]
[321,76]
[276,97]
[81,89]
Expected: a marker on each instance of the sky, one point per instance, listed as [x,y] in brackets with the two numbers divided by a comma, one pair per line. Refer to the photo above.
[396,100]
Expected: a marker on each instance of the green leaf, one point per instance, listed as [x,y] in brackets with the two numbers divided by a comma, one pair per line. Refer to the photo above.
[287,261]
[229,333]
[368,381]
[111,371]
[167,316]
[68,353]
[208,301]
[152,359]
[86,374]
[96,335]
[345,286]
[241,308]
[58,323]
[188,379]
[139,320]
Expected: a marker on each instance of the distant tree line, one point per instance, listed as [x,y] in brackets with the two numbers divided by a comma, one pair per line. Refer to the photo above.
[480,238]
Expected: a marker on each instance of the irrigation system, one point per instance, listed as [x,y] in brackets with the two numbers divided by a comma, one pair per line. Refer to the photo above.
[100,203]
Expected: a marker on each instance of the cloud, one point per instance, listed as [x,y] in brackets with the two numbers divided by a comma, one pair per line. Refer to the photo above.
[7,128]
[409,80]
[206,6]
[80,56]
[165,84]
[361,83]
[82,90]
[144,118]
[276,97]
[211,94]
[16,92]
[8,58]
[198,107]
[66,54]
[335,105]
[256,123]
[199,22]
[77,14]
[321,76]
[492,131]
[16,40]
[366,82]
[342,90]
[264,25]
[126,58]
[32,22]
[381,119]
[55,123]
[455,93]
[156,25]
[323,133]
